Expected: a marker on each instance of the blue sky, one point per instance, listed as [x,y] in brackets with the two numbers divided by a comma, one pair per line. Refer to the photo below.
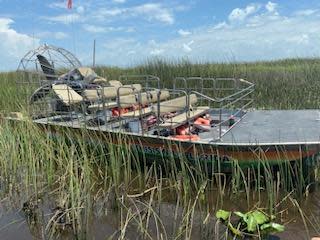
[128,31]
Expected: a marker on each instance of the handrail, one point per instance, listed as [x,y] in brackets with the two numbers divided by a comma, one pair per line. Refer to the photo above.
[221,98]
[240,94]
[237,93]
[204,96]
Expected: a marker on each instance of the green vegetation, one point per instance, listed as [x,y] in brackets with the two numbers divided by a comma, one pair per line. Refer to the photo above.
[286,84]
[66,187]
[251,224]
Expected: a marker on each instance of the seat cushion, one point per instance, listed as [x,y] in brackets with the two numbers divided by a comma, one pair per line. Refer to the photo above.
[182,118]
[66,94]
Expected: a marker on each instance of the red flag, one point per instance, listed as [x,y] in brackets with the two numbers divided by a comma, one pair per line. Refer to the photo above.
[69,4]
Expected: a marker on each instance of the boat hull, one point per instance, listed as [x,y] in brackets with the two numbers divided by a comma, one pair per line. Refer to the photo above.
[216,153]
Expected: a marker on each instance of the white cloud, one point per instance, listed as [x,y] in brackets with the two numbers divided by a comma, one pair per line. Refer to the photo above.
[261,35]
[306,12]
[65,18]
[119,52]
[112,12]
[299,39]
[119,1]
[239,14]
[150,11]
[271,7]
[80,9]
[13,45]
[99,29]
[93,28]
[130,30]
[154,11]
[5,24]
[60,35]
[183,32]
[187,46]
[58,5]
[55,35]
[156,51]
[131,52]
[218,26]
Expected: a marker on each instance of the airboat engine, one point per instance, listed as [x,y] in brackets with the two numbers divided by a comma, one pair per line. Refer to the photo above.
[38,71]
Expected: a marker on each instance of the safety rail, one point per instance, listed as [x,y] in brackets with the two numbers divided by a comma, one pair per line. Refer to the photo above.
[200,84]
[236,95]
[154,107]
[239,98]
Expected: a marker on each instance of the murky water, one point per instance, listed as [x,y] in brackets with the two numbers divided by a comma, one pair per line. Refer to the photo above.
[105,222]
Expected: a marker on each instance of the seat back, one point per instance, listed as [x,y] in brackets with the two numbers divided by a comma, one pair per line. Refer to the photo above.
[177,104]
[145,98]
[111,92]
[152,96]
[91,95]
[164,95]
[66,94]
[127,101]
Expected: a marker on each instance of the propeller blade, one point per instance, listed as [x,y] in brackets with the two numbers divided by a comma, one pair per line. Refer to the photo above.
[47,68]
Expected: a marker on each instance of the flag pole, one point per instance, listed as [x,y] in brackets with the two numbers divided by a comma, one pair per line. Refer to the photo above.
[94,54]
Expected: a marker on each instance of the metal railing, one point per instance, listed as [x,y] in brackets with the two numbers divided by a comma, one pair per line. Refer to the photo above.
[238,96]
[216,93]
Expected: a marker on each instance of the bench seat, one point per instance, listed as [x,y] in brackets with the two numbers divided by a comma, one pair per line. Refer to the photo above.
[66,94]
[131,100]
[101,106]
[139,112]
[182,118]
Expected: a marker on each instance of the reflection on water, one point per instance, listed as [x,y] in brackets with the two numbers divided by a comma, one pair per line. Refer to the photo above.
[163,220]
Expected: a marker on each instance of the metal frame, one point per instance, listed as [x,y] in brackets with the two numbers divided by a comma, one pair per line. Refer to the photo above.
[240,96]
[240,92]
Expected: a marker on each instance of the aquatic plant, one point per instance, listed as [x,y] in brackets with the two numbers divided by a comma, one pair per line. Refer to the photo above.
[254,223]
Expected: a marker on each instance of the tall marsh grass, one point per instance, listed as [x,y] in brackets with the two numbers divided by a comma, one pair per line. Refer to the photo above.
[63,186]
[283,84]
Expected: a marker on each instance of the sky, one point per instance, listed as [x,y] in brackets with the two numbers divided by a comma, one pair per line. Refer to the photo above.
[129,32]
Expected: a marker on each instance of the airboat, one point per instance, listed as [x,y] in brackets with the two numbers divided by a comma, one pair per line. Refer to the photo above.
[208,119]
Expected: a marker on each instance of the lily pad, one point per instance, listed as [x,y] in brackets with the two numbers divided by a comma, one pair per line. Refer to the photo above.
[260,217]
[222,214]
[251,223]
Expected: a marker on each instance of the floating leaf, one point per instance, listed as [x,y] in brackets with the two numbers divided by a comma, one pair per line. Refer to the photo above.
[251,223]
[260,217]
[222,214]
[272,227]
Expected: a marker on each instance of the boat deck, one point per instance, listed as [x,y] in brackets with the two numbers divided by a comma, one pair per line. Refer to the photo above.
[276,126]
[258,127]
